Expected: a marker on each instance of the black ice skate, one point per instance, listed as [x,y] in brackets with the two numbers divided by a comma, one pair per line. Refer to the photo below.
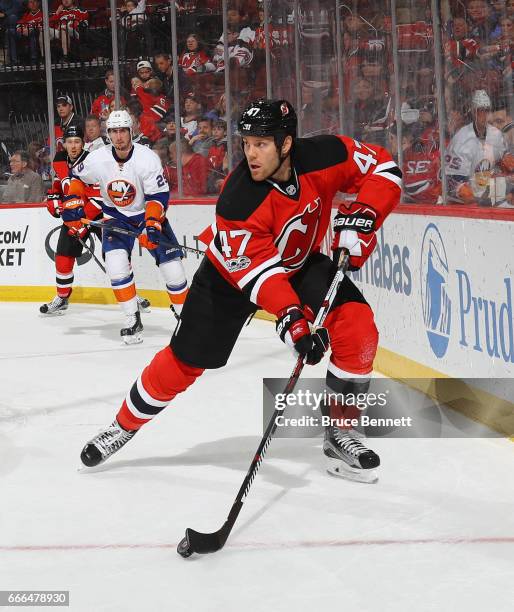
[56,307]
[347,457]
[143,304]
[131,334]
[105,444]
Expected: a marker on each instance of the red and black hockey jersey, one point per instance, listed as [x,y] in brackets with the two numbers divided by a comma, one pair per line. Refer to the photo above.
[265,231]
[63,166]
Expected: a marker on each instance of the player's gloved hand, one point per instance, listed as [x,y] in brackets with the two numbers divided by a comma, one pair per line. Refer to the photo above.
[354,229]
[154,217]
[294,330]
[77,229]
[54,204]
[151,235]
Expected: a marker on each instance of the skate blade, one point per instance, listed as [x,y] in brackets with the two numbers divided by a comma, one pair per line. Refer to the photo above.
[57,313]
[143,309]
[135,339]
[337,467]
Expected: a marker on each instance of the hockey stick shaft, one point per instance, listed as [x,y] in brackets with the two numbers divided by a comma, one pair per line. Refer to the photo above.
[85,246]
[126,232]
[213,542]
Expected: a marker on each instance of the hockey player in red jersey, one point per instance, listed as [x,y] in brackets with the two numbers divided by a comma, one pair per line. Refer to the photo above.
[264,251]
[68,247]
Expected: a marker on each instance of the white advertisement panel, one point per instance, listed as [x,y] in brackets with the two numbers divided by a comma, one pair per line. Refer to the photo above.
[441,287]
[442,292]
[28,239]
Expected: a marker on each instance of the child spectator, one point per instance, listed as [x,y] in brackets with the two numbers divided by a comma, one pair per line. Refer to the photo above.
[65,25]
[194,170]
[218,147]
[194,60]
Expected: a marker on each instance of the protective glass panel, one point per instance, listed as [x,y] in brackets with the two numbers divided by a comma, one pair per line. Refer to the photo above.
[477,43]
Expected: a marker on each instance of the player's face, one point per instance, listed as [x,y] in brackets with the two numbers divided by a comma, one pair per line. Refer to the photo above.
[120,138]
[261,155]
[482,115]
[73,147]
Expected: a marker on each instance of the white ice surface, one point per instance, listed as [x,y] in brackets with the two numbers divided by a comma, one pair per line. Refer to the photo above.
[435,533]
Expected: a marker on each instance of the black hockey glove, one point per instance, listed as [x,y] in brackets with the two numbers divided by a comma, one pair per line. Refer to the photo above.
[294,330]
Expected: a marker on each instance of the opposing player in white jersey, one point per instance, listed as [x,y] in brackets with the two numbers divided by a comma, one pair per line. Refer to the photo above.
[134,196]
[475,155]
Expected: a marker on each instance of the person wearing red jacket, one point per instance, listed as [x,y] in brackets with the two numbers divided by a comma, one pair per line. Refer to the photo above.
[155,105]
[65,23]
[100,106]
[272,215]
[29,27]
[195,169]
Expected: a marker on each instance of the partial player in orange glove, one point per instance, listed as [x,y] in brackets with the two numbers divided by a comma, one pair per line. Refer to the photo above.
[154,217]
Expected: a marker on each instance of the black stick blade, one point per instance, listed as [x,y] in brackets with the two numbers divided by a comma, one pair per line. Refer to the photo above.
[201,543]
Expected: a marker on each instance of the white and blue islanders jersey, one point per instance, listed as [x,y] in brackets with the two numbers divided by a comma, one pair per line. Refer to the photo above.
[125,185]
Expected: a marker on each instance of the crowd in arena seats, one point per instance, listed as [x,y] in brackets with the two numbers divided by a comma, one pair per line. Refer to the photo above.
[477,57]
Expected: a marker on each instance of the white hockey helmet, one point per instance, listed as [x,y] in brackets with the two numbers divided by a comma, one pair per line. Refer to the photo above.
[119,119]
[480,99]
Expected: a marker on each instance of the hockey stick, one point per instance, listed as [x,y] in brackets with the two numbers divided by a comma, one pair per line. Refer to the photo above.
[202,543]
[121,230]
[85,246]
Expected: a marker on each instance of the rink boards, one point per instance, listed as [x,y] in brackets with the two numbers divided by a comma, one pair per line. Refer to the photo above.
[441,287]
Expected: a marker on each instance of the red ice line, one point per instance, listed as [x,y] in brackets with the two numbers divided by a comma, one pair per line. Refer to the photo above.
[271,545]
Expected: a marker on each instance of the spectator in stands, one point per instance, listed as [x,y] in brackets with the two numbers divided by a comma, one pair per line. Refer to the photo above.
[67,117]
[10,11]
[482,21]
[217,157]
[455,120]
[363,107]
[220,111]
[29,27]
[164,72]
[474,153]
[194,59]
[170,127]
[32,151]
[202,141]
[191,115]
[93,138]
[100,106]
[137,135]
[65,25]
[144,71]
[161,148]
[154,104]
[195,169]
[45,163]
[146,125]
[240,41]
[134,29]
[24,185]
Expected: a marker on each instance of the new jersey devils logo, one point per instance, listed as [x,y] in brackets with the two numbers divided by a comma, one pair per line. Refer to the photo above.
[298,234]
[121,192]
